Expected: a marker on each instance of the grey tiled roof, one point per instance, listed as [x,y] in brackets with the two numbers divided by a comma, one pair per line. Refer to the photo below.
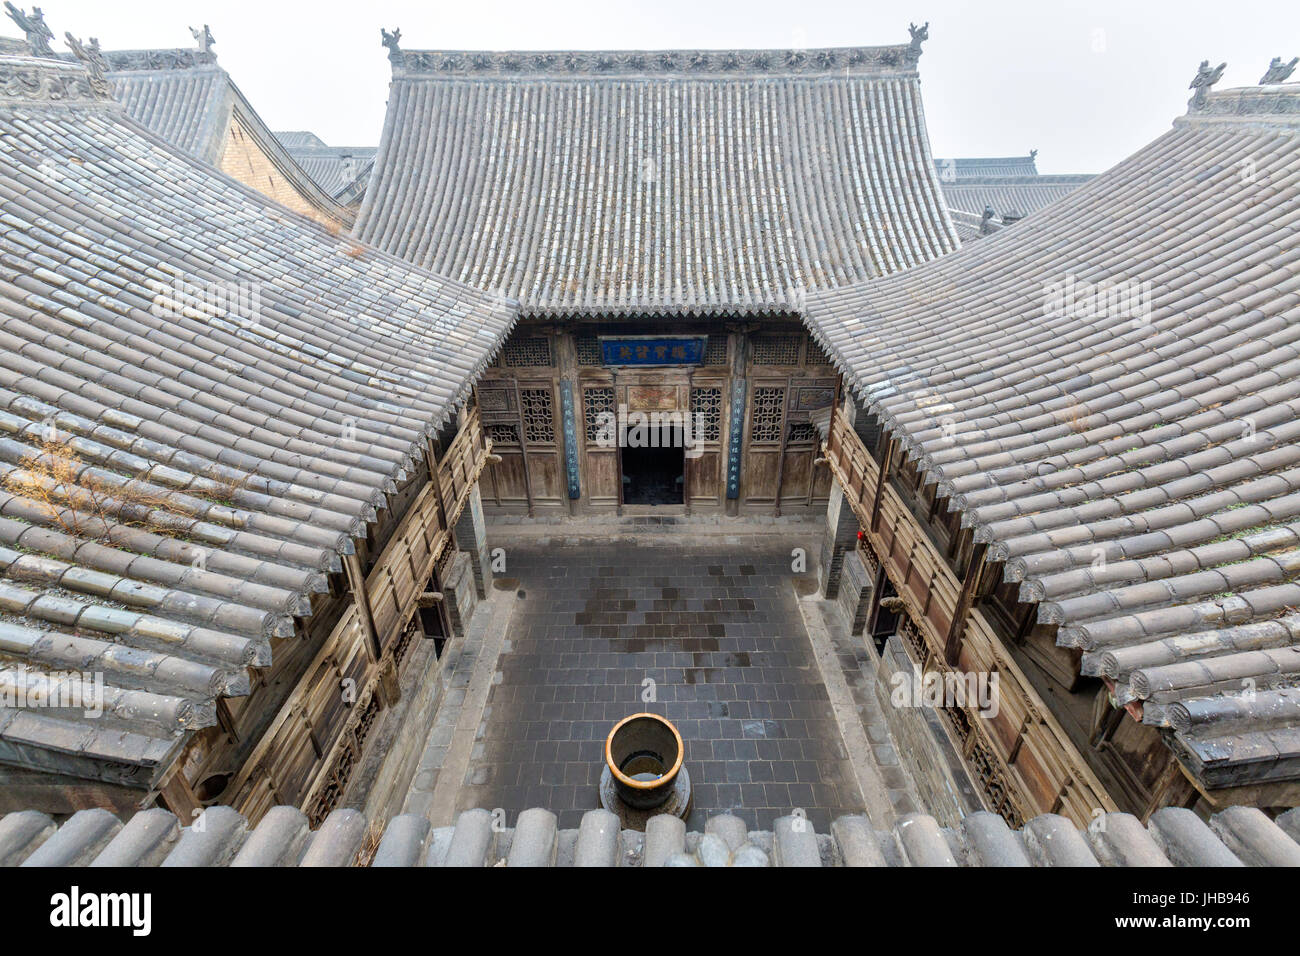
[1009,194]
[342,171]
[1009,184]
[1239,836]
[1138,474]
[255,437]
[657,181]
[190,101]
[981,167]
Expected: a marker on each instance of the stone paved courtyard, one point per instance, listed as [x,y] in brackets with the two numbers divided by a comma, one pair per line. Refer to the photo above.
[717,629]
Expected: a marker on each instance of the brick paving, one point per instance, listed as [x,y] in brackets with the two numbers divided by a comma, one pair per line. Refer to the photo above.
[715,625]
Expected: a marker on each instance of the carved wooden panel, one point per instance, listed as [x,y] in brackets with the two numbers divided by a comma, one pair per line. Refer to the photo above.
[652,398]
[767,413]
[715,350]
[525,351]
[777,349]
[537,408]
[706,412]
[597,401]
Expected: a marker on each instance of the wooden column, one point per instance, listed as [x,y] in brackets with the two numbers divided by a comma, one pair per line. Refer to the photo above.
[523,446]
[780,461]
[880,483]
[965,599]
[570,409]
[357,582]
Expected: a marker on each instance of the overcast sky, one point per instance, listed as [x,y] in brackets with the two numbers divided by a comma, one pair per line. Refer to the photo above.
[1086,83]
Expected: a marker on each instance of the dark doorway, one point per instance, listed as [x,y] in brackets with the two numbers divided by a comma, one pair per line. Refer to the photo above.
[886,623]
[433,620]
[654,474]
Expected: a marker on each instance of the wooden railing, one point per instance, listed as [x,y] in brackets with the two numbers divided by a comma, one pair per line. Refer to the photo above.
[404,566]
[307,752]
[1036,758]
[460,466]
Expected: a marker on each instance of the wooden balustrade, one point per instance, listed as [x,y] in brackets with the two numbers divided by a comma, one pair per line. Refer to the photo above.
[1035,757]
[306,754]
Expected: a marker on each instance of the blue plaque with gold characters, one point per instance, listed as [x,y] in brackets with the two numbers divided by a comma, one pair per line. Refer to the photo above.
[652,350]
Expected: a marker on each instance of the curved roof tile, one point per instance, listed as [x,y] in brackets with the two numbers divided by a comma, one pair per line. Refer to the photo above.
[642,181]
[1108,394]
[203,398]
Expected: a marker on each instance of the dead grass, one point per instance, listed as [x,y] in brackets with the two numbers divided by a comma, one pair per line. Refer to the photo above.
[370,845]
[86,505]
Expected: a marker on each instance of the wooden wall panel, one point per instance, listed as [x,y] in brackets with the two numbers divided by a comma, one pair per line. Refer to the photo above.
[704,479]
[506,485]
[602,477]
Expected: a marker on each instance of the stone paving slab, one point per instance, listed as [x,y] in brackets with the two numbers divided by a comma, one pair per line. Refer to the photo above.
[716,628]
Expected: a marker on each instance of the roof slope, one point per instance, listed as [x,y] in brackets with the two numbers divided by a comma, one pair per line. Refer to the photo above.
[203,397]
[1009,194]
[1010,185]
[342,171]
[657,181]
[1133,457]
[982,167]
[190,101]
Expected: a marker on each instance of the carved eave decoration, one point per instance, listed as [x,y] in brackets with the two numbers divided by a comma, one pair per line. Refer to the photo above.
[122,61]
[28,80]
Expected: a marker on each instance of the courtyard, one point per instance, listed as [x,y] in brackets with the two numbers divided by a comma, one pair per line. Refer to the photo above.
[708,635]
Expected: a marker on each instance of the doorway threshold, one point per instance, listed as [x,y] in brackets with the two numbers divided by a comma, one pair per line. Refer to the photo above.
[657,510]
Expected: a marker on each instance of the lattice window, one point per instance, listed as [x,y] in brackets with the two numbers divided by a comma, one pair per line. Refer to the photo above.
[706,412]
[817,355]
[988,772]
[776,350]
[527,351]
[588,350]
[803,433]
[715,349]
[502,433]
[539,414]
[769,405]
[596,401]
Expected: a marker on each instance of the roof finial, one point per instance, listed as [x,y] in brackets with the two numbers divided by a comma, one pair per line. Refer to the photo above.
[919,35]
[93,61]
[1201,83]
[203,38]
[390,41]
[1278,71]
[38,34]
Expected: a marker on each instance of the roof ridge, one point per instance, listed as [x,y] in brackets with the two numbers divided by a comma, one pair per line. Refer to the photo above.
[891,59]
[166,58]
[1271,105]
[51,82]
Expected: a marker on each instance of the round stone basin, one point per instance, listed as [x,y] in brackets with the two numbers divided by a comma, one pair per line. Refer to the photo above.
[644,755]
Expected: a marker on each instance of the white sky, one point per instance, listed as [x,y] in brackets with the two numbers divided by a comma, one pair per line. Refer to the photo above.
[1086,83]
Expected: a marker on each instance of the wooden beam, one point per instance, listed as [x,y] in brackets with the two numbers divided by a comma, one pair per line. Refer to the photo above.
[880,483]
[969,589]
[357,581]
